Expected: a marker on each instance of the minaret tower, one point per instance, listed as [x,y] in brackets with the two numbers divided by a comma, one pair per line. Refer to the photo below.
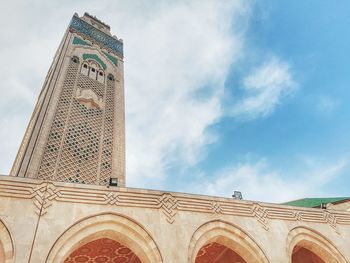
[77,130]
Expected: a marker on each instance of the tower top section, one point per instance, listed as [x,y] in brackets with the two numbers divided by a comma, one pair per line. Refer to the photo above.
[93,29]
[97,21]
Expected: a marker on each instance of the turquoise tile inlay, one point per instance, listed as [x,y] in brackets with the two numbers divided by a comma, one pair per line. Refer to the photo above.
[78,41]
[111,58]
[96,58]
[102,38]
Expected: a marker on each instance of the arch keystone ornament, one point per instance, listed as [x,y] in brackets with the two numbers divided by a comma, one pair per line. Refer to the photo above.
[216,208]
[106,226]
[228,235]
[314,242]
[331,220]
[168,204]
[260,213]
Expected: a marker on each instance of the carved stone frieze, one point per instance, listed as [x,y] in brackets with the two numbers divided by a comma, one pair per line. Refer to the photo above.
[260,213]
[44,194]
[168,205]
[80,26]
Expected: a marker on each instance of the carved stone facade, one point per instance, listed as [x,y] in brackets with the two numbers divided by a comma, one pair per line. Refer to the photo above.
[58,207]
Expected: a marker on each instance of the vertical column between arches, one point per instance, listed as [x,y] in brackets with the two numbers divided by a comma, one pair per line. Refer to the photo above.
[6,245]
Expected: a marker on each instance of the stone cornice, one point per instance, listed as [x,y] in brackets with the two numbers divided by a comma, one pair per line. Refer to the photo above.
[44,193]
[95,35]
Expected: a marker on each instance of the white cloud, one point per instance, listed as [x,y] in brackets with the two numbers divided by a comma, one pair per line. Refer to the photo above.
[264,88]
[182,49]
[326,104]
[173,50]
[258,181]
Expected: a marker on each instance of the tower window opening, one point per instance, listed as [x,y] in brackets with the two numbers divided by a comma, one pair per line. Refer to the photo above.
[110,77]
[85,69]
[93,71]
[75,59]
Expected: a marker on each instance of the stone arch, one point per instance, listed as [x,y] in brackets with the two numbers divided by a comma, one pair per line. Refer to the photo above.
[6,245]
[229,235]
[112,226]
[314,242]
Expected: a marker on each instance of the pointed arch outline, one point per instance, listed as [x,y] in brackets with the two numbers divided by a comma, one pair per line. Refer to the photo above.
[229,235]
[106,225]
[79,51]
[315,242]
[7,251]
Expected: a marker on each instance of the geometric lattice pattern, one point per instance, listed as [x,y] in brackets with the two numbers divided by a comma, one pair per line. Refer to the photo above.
[79,157]
[79,147]
[50,156]
[106,156]
[214,252]
[103,250]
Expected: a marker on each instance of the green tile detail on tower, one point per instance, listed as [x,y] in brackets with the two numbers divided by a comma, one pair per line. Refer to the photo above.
[111,58]
[78,41]
[96,58]
[95,35]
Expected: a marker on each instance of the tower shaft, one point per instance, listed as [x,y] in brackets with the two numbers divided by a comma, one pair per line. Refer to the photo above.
[77,130]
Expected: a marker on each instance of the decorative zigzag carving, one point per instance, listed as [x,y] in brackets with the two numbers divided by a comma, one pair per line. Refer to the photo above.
[44,194]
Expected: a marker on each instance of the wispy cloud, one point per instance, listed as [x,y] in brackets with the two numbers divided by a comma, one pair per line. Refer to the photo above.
[188,46]
[173,50]
[264,88]
[259,181]
[326,104]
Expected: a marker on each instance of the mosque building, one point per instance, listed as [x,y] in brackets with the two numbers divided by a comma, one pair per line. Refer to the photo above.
[66,201]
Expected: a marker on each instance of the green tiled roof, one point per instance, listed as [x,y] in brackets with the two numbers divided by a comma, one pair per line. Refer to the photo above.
[315,202]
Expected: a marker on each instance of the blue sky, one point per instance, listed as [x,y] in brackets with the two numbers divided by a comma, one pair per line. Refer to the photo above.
[220,95]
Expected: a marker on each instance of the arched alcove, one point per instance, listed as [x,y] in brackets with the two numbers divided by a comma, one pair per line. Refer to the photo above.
[6,245]
[218,253]
[103,250]
[306,245]
[116,228]
[302,255]
[227,239]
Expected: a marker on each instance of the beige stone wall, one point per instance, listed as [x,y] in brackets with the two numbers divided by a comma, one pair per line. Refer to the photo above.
[45,221]
[344,206]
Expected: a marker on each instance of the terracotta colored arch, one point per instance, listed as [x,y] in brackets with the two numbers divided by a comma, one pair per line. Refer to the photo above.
[112,226]
[229,235]
[6,245]
[315,242]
